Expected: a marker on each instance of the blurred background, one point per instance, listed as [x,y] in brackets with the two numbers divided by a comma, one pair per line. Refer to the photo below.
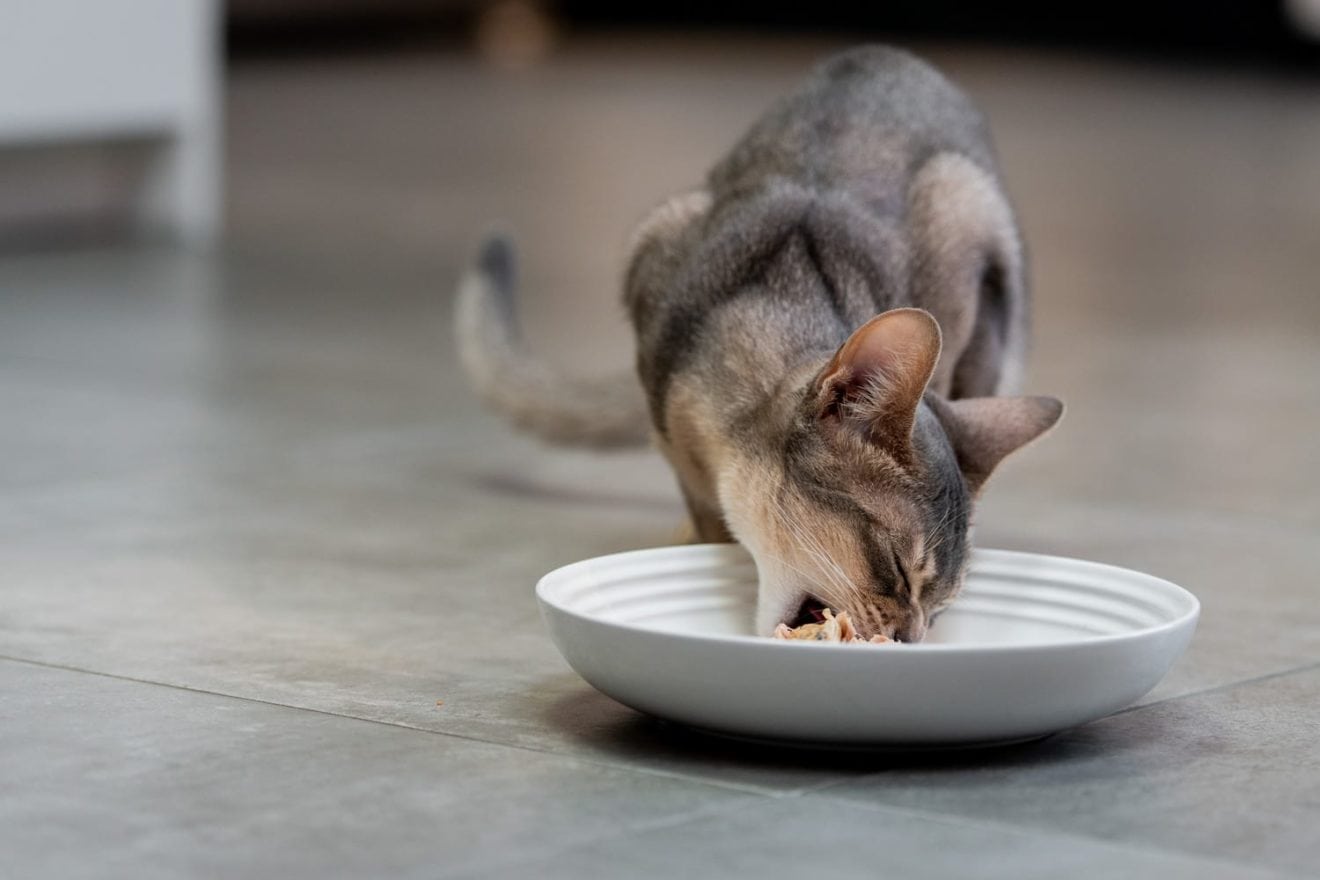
[133,131]
[237,456]
[198,177]
[229,235]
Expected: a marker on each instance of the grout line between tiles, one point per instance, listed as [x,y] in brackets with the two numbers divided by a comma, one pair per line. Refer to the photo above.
[584,758]
[951,819]
[1036,831]
[549,852]
[1305,667]
[694,815]
[823,789]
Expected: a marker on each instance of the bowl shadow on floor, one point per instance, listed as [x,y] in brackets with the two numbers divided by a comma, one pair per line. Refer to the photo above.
[1125,743]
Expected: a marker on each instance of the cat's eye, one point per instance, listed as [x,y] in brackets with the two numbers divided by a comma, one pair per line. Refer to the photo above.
[903,575]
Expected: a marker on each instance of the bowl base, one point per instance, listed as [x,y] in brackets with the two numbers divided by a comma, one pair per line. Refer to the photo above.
[905,748]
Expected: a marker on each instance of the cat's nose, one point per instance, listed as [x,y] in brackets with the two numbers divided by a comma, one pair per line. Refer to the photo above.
[913,631]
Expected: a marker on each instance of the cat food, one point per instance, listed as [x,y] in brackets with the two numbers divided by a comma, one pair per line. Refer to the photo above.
[833,628]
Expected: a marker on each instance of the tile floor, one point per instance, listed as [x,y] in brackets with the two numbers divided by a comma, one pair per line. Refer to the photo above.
[251,516]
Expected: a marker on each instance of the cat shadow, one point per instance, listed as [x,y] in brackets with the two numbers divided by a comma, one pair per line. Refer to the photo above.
[1126,744]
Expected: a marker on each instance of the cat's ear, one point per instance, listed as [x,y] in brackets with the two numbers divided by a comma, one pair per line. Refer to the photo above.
[668,219]
[875,380]
[984,430]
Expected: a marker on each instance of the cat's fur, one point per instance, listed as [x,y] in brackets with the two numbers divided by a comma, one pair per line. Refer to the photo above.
[823,331]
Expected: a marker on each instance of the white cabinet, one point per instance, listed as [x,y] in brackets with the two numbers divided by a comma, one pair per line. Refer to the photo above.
[145,71]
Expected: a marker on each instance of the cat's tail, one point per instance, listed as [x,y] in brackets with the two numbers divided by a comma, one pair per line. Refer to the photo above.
[604,413]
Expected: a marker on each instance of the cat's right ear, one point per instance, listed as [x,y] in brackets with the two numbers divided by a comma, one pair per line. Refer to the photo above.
[874,382]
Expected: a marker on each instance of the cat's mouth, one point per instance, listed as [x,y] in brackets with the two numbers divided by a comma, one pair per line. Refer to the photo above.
[811,610]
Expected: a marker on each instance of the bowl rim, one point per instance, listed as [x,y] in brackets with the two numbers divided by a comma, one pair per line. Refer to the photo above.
[547,582]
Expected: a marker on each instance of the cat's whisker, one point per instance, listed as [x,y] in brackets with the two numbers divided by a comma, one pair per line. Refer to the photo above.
[831,566]
[838,588]
[823,595]
[824,591]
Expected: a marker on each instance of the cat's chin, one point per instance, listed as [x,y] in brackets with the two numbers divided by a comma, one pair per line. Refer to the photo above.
[792,606]
[809,610]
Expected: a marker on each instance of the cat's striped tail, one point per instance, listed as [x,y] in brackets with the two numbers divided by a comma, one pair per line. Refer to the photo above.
[604,413]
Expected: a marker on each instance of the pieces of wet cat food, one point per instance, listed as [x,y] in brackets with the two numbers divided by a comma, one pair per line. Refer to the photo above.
[833,628]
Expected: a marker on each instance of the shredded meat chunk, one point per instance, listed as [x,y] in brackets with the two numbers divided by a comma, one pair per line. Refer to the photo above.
[834,628]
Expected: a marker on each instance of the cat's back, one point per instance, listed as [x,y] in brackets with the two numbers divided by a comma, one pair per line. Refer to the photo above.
[872,113]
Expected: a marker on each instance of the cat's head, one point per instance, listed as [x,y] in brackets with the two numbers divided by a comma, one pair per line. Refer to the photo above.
[863,501]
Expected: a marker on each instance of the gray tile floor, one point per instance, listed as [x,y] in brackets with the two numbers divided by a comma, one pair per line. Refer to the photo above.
[252,518]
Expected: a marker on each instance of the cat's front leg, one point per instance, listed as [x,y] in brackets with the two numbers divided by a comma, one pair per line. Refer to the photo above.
[707,522]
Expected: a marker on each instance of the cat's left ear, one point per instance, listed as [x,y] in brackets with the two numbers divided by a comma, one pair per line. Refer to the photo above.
[875,381]
[984,430]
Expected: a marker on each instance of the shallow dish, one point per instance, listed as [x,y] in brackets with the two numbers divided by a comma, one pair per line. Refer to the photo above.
[1034,645]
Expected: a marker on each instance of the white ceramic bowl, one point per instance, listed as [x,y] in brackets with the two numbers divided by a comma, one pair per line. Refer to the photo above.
[1035,644]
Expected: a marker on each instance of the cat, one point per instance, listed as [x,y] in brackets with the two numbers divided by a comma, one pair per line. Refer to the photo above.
[826,332]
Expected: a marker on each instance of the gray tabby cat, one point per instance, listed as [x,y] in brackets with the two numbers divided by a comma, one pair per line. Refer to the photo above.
[823,333]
